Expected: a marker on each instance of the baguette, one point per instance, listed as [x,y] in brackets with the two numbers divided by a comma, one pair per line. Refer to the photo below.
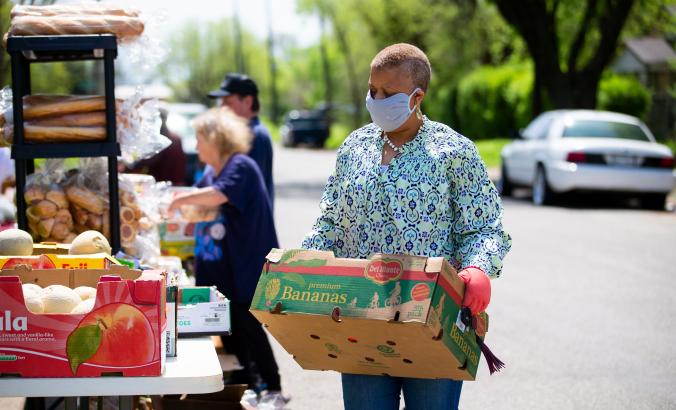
[125,28]
[39,133]
[36,106]
[71,10]
[87,119]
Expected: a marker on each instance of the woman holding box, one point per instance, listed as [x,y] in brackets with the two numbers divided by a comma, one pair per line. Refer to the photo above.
[231,250]
[407,185]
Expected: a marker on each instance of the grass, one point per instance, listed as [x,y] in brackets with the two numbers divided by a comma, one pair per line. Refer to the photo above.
[490,150]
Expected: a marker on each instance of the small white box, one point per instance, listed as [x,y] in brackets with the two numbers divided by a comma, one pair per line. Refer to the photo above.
[208,318]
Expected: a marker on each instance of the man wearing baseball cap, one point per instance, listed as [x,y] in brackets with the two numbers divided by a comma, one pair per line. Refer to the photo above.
[240,93]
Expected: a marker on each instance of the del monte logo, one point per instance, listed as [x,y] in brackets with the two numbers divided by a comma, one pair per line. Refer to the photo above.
[384,270]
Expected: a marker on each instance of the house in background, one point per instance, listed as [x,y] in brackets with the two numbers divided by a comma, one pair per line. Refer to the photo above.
[653,61]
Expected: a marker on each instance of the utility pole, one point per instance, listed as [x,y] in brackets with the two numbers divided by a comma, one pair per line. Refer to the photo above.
[326,68]
[239,55]
[274,101]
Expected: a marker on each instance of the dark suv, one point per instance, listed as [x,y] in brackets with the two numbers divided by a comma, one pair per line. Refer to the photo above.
[305,127]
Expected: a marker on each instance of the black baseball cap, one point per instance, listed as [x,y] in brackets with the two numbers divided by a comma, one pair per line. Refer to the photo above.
[235,83]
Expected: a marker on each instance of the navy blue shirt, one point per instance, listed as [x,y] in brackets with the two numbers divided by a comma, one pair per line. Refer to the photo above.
[261,152]
[230,251]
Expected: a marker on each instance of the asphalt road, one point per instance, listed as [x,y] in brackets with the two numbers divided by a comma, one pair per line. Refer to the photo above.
[583,316]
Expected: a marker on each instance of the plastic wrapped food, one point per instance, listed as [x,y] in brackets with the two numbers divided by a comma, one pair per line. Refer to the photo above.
[47,205]
[71,10]
[124,27]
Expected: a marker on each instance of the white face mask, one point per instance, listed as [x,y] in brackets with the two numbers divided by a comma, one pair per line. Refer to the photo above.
[391,112]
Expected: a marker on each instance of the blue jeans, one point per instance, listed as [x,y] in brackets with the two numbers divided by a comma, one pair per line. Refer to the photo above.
[362,392]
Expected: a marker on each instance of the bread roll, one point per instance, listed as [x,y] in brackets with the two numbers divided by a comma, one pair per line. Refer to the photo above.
[64,216]
[60,231]
[127,233]
[127,215]
[79,214]
[58,197]
[45,209]
[45,227]
[105,222]
[70,237]
[94,222]
[86,199]
[125,28]
[32,215]
[34,194]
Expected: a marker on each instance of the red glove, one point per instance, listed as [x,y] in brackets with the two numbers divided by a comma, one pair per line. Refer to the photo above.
[477,289]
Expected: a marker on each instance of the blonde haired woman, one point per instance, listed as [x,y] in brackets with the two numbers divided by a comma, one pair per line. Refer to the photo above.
[231,250]
[407,185]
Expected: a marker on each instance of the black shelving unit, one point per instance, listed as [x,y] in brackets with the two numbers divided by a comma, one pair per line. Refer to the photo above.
[25,51]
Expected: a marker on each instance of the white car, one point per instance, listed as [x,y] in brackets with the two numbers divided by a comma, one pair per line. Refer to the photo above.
[583,150]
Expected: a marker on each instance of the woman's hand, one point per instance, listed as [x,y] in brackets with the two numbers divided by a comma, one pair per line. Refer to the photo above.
[477,289]
[175,205]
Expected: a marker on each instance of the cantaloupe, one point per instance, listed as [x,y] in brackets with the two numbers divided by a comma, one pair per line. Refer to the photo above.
[59,299]
[85,306]
[15,242]
[85,292]
[89,242]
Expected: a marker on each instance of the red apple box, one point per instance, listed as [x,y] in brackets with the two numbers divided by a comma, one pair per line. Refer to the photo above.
[122,335]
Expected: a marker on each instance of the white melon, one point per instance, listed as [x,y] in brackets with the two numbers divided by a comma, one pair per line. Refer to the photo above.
[85,292]
[59,299]
[83,307]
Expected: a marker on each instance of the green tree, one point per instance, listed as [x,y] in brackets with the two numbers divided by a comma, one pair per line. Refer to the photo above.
[572,43]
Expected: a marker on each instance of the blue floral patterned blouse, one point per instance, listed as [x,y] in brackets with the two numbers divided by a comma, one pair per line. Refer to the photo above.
[434,199]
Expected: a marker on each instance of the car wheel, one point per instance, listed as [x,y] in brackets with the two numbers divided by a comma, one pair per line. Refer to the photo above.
[542,192]
[287,141]
[655,202]
[504,186]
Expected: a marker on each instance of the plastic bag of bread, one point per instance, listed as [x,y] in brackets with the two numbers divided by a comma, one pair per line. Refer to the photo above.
[47,206]
[187,213]
[76,118]
[75,19]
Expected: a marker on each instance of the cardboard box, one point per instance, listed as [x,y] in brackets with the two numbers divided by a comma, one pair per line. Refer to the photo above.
[177,239]
[202,319]
[391,314]
[226,399]
[172,329]
[56,261]
[53,248]
[122,335]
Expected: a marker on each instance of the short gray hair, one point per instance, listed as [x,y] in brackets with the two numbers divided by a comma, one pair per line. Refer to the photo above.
[410,58]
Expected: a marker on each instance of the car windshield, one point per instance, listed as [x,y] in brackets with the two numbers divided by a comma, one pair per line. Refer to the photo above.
[604,129]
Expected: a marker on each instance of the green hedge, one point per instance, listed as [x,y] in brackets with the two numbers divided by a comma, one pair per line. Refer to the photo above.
[623,94]
[492,101]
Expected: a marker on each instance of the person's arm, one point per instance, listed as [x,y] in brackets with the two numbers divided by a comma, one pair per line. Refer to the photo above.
[480,242]
[208,196]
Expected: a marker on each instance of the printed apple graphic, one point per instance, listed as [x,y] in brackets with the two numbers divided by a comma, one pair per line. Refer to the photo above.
[114,334]
[41,262]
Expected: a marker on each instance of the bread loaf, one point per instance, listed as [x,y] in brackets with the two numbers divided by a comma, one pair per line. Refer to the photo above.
[45,227]
[123,27]
[36,106]
[87,119]
[37,133]
[71,10]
